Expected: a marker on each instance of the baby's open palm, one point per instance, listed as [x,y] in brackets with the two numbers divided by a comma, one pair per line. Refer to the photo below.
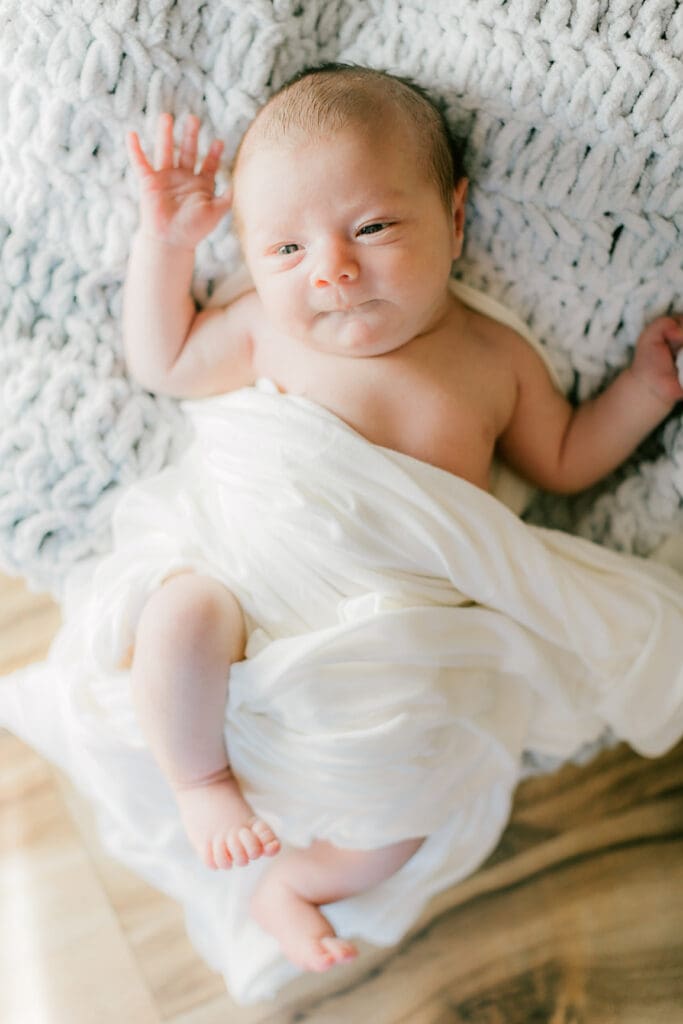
[177,203]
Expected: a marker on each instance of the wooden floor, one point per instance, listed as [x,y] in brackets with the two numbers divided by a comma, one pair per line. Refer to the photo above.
[576,919]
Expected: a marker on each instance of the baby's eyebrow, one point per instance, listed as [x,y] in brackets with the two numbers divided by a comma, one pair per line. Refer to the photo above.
[375,205]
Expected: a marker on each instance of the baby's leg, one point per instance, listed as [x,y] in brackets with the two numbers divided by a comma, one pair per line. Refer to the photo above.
[190,632]
[287,900]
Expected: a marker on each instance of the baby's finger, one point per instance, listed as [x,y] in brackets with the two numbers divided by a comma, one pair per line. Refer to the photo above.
[678,321]
[137,156]
[212,158]
[188,145]
[673,332]
[163,146]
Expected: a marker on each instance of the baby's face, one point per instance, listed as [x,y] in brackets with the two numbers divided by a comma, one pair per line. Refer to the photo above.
[348,242]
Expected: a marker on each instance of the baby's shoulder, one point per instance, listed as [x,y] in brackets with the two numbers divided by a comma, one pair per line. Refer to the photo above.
[517,356]
[496,339]
[508,340]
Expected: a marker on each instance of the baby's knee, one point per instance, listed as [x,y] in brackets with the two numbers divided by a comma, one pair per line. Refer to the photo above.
[190,610]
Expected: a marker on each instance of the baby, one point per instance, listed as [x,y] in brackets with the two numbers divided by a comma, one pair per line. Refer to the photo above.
[349,200]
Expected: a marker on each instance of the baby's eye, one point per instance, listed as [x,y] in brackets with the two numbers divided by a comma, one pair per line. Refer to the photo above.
[372,229]
[288,248]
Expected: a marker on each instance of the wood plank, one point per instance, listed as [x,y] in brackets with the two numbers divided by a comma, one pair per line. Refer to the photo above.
[152,923]
[562,924]
[576,917]
[63,956]
[28,622]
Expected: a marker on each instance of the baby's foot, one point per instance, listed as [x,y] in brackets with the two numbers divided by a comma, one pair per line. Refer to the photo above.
[305,935]
[221,825]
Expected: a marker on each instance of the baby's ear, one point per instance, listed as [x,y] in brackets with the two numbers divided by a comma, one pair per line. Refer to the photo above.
[459,201]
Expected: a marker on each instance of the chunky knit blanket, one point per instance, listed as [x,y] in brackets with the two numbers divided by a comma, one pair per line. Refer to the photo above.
[574,112]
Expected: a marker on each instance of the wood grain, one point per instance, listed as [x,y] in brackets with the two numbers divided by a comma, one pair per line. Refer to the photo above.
[577,918]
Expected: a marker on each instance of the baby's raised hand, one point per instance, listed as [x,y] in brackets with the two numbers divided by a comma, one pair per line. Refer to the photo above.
[655,359]
[177,203]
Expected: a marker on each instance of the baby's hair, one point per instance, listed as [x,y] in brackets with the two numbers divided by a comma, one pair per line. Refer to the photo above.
[333,96]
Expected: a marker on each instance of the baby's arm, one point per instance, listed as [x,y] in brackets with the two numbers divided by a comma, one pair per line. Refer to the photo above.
[566,449]
[169,346]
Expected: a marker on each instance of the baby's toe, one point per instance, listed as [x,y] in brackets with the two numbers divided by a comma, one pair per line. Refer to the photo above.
[270,844]
[328,952]
[251,843]
[235,846]
[220,855]
[243,844]
[340,950]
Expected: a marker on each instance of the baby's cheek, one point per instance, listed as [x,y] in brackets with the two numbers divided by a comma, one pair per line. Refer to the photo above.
[275,294]
[294,299]
[284,303]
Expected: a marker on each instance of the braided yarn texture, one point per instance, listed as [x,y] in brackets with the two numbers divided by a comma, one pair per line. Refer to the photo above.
[574,115]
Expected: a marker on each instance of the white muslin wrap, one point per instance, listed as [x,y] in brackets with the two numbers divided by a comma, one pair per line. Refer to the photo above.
[409,638]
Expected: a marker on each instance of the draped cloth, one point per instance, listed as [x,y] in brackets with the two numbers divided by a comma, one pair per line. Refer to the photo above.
[409,638]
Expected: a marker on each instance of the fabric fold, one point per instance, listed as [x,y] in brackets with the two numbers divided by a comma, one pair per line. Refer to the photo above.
[409,639]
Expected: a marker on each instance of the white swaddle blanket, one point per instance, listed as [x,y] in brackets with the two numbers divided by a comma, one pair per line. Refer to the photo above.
[409,639]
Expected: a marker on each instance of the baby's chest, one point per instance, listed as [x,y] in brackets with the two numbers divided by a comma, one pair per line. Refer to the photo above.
[444,426]
[436,417]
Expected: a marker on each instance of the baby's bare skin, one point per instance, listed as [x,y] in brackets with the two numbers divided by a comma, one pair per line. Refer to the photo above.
[362,321]
[192,629]
[442,398]
[350,247]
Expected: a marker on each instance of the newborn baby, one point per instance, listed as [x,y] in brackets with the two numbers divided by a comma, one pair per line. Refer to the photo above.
[349,200]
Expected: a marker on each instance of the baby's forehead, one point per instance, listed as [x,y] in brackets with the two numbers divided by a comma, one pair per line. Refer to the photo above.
[373,165]
[278,142]
[311,161]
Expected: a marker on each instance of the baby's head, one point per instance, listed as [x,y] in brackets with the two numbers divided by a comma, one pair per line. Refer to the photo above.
[348,189]
[318,102]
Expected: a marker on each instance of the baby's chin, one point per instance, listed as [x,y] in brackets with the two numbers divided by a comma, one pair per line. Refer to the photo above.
[355,334]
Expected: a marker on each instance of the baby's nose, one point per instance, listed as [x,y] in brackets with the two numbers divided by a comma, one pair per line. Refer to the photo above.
[335,265]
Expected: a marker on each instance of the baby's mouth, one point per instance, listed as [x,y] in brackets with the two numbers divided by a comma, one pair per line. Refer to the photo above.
[350,308]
